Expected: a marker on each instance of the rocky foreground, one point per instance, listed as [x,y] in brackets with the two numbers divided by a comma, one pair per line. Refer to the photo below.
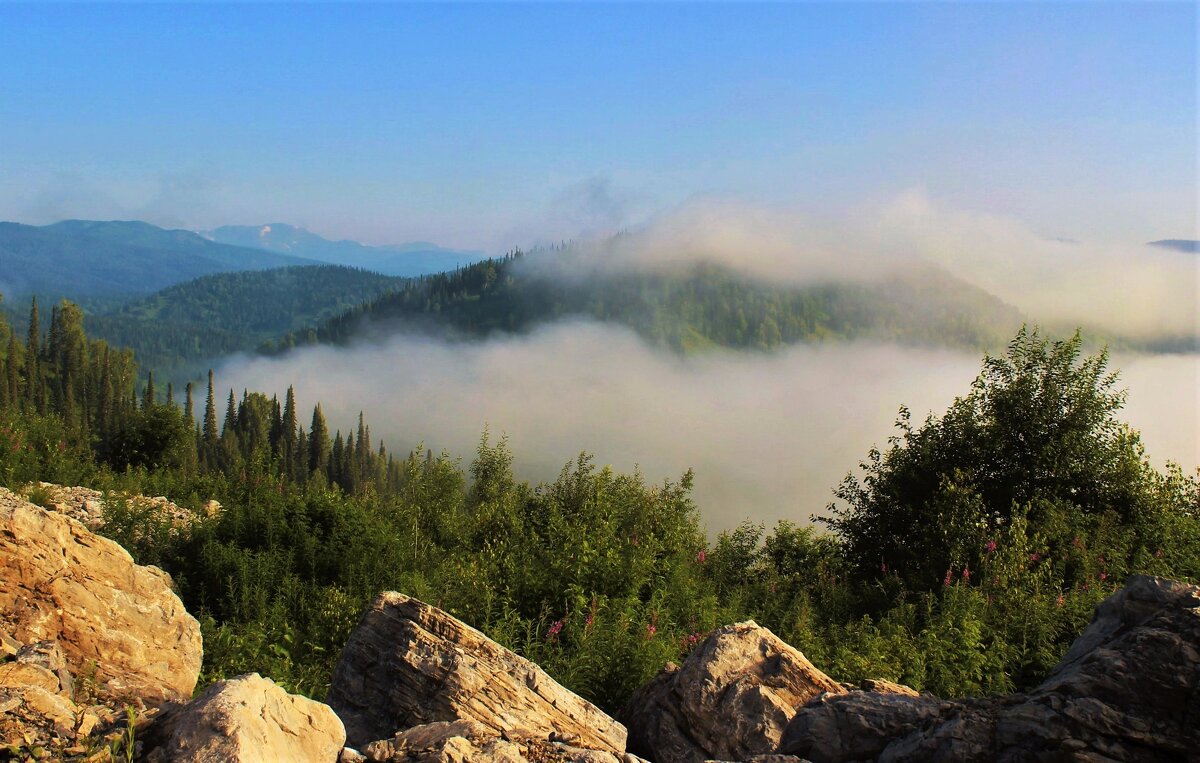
[99,659]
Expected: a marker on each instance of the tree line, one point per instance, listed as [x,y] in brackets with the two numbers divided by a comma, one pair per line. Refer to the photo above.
[961,558]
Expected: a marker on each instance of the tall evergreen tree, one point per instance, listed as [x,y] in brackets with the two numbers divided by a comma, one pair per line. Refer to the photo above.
[33,377]
[318,443]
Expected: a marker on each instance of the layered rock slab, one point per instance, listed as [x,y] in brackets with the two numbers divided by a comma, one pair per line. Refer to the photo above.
[117,622]
[730,700]
[410,664]
[1128,690]
[247,719]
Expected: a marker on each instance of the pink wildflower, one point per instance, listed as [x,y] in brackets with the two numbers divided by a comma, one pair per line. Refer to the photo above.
[966,575]
[701,557]
[1103,575]
[1034,557]
[991,546]
[1060,600]
[651,629]
[555,629]
[1158,554]
[949,576]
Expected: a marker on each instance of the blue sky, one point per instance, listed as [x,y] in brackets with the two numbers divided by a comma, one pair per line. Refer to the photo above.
[489,125]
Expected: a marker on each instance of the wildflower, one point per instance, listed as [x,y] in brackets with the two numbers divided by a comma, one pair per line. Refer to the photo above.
[1103,575]
[555,629]
[772,588]
[651,629]
[949,576]
[591,618]
[966,575]
[1060,600]
[1077,543]
[991,546]
[883,567]
[1034,557]
[1158,554]
[701,557]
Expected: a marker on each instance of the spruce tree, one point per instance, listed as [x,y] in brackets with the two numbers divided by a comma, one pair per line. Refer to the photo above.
[318,443]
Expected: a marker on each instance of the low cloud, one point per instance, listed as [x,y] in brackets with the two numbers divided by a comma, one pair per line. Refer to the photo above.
[769,436]
[1122,289]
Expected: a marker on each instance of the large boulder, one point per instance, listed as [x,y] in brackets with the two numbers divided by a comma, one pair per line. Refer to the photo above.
[247,719]
[730,700]
[119,624]
[1128,689]
[408,664]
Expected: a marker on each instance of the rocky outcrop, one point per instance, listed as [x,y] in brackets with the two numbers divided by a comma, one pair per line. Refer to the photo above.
[409,664]
[730,700]
[247,719]
[118,623]
[91,506]
[1128,689]
[43,713]
[470,742]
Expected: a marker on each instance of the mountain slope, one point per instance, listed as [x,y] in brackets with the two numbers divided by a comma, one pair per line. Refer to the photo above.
[703,306]
[412,259]
[180,329]
[83,258]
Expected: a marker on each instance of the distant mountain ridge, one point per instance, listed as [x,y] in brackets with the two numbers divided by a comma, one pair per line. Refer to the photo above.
[116,258]
[1178,244]
[411,259]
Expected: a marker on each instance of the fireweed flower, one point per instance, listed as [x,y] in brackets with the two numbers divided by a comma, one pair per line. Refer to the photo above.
[949,576]
[991,547]
[555,629]
[966,575]
[651,629]
[701,557]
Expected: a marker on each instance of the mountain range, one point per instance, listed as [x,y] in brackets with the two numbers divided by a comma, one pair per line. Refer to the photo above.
[411,259]
[87,259]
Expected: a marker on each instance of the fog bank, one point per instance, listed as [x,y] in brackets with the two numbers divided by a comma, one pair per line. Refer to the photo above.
[1125,289]
[769,436]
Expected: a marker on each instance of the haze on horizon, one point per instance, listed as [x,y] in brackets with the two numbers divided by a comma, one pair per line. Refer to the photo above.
[490,126]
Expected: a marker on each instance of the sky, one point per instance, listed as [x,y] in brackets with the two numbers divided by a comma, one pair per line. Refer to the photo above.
[494,125]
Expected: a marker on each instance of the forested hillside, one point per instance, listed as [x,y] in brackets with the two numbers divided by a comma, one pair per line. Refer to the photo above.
[1015,513]
[84,258]
[699,307]
[181,330]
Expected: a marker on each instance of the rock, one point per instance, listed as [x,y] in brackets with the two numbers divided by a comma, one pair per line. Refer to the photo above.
[113,619]
[247,719]
[1128,689]
[730,700]
[49,657]
[465,741]
[32,715]
[409,664]
[9,646]
[80,503]
[880,686]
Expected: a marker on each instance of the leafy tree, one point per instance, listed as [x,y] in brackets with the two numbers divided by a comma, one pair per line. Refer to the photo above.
[1037,434]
